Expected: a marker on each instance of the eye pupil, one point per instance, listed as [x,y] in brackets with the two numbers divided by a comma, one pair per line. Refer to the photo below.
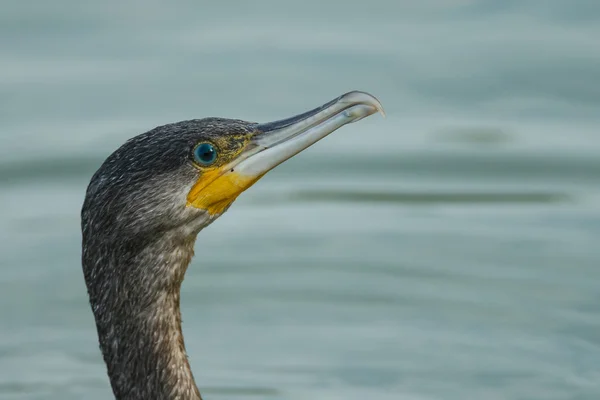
[205,154]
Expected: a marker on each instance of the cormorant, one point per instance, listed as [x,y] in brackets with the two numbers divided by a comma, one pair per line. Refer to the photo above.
[142,212]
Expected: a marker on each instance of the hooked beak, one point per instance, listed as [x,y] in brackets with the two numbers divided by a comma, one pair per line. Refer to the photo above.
[273,143]
[276,142]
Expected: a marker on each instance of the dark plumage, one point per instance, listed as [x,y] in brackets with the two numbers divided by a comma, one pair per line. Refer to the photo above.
[138,239]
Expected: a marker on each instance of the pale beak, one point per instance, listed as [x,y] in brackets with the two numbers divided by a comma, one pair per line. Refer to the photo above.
[275,142]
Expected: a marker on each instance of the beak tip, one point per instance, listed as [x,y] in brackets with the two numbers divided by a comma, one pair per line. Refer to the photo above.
[358,97]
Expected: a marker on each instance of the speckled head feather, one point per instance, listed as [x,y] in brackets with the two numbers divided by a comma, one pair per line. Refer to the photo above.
[142,212]
[133,184]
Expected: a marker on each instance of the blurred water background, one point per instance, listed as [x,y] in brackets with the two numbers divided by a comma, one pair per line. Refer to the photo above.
[450,251]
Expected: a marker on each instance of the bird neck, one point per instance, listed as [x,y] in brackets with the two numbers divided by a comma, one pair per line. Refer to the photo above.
[138,318]
[153,359]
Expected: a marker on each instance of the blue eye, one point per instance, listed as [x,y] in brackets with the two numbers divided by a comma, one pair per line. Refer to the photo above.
[205,154]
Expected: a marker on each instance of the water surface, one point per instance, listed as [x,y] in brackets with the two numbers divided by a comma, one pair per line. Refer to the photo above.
[449,251]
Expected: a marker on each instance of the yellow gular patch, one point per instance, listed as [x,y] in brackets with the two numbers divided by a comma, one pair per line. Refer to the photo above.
[216,190]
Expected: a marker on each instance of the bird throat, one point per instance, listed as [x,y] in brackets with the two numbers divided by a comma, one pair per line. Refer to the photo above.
[215,190]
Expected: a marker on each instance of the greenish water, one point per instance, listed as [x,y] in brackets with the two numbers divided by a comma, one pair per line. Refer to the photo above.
[449,251]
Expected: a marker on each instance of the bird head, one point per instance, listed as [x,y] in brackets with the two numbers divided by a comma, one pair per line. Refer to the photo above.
[142,211]
[184,175]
